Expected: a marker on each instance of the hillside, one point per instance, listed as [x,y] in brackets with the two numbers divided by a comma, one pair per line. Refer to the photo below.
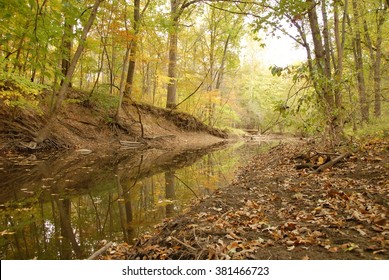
[88,125]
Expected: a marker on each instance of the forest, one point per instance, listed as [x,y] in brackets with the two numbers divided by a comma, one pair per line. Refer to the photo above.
[189,56]
[107,78]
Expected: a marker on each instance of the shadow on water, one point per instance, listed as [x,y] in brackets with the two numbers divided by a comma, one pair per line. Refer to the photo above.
[63,207]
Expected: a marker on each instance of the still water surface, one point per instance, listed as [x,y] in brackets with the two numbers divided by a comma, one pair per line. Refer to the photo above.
[64,206]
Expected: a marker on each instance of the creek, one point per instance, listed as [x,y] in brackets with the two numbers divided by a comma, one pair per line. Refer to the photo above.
[65,206]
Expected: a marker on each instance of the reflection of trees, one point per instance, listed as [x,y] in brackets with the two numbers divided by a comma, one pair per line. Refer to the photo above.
[111,207]
[69,240]
[125,209]
[170,194]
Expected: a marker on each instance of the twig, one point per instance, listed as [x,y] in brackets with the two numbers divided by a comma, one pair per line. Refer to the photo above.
[193,93]
[187,186]
[182,243]
[221,217]
[326,154]
[101,251]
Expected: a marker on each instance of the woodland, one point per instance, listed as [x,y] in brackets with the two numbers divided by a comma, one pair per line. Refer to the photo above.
[97,75]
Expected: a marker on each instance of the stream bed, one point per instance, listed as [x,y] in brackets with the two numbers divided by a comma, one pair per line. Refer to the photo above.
[65,206]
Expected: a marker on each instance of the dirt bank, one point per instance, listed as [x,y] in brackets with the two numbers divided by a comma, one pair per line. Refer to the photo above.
[87,125]
[281,207]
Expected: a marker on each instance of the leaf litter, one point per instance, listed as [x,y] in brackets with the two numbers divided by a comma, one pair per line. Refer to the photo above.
[280,207]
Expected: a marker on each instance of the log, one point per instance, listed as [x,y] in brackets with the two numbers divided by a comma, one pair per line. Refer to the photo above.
[332,162]
[159,137]
[130,143]
[100,251]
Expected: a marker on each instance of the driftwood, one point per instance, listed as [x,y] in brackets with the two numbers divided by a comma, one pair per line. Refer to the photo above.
[100,251]
[332,162]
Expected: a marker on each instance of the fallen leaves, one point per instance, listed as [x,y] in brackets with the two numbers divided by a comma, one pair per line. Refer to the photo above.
[273,210]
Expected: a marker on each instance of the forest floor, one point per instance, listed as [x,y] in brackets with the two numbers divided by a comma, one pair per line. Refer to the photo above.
[280,206]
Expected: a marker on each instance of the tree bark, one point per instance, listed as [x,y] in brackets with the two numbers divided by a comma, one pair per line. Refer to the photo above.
[364,105]
[326,38]
[377,63]
[171,100]
[66,45]
[133,50]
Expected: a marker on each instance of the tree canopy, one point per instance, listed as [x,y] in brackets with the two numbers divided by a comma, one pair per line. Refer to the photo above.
[192,56]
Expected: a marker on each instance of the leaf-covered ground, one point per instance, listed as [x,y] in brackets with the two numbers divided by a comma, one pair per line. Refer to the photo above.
[280,207]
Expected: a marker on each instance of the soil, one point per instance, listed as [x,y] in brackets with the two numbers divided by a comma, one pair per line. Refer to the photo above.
[84,125]
[281,207]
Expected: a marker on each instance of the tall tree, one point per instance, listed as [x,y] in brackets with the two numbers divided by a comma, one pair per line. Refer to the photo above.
[177,7]
[43,133]
[67,39]
[131,53]
[133,46]
[359,65]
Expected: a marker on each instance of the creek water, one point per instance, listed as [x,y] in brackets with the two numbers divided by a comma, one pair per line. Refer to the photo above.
[65,206]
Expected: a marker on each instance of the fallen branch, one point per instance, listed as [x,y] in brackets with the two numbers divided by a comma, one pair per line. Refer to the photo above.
[182,243]
[101,251]
[332,162]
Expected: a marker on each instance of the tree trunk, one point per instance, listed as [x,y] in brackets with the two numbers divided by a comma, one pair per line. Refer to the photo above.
[223,62]
[377,65]
[364,105]
[326,38]
[322,76]
[171,100]
[66,45]
[122,86]
[133,49]
[340,39]
[170,192]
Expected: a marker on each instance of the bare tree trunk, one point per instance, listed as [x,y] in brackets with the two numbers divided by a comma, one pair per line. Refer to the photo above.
[222,65]
[66,44]
[377,62]
[133,50]
[377,69]
[364,105]
[122,85]
[171,100]
[340,39]
[326,38]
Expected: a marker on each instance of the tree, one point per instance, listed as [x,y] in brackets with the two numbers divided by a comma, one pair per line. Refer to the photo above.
[177,7]
[359,65]
[42,134]
[131,53]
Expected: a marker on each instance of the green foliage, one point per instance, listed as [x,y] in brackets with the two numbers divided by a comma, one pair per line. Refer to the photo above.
[20,93]
[377,128]
[102,99]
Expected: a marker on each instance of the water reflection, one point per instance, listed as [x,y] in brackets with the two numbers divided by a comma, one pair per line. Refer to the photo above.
[63,207]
